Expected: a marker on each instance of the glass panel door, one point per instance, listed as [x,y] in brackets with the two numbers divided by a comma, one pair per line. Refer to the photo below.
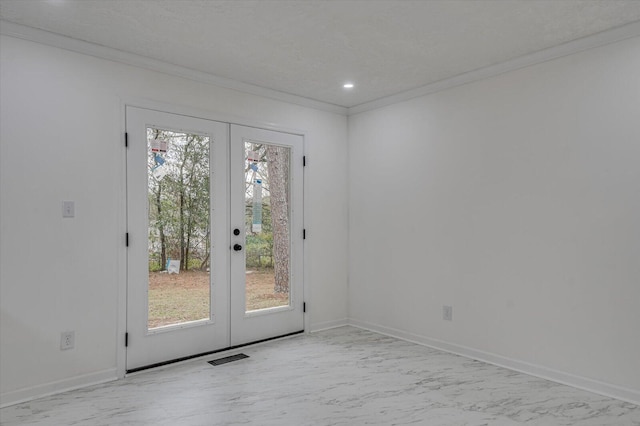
[214,225]
[266,213]
[177,225]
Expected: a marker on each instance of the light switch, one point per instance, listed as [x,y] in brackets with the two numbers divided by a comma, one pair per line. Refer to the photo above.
[68,209]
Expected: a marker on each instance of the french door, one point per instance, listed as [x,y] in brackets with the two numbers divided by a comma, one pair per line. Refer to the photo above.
[214,221]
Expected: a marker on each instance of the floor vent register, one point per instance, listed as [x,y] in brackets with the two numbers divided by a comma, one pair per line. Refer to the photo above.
[228,359]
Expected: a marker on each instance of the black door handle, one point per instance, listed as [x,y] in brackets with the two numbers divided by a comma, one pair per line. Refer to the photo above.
[237,247]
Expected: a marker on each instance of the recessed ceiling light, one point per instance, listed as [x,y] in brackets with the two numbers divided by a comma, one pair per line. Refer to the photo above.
[348,85]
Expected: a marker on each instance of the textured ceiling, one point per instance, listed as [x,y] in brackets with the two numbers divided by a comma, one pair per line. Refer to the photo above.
[309,48]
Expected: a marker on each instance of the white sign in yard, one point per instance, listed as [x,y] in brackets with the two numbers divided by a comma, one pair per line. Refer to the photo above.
[159,172]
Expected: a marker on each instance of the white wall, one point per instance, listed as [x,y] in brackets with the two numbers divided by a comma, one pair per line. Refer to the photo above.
[61,139]
[517,201]
[513,199]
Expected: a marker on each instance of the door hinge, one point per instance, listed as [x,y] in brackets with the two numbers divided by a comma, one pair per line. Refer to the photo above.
[126,340]
[126,239]
[304,160]
[304,306]
[304,234]
[126,139]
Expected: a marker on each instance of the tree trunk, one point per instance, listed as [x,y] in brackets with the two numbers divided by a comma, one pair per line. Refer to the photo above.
[163,244]
[182,228]
[278,164]
[205,261]
[187,250]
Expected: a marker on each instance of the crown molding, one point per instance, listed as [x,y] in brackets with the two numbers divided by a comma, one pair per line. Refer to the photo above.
[56,40]
[63,42]
[596,40]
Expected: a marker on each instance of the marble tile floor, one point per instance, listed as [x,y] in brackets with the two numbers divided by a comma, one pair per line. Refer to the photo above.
[344,376]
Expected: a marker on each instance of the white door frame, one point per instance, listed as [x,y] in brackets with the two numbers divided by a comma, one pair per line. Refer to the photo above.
[121,317]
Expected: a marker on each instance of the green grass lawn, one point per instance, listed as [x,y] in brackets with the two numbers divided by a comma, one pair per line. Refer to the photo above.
[176,298]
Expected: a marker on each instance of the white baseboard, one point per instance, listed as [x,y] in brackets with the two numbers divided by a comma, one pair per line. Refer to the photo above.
[51,388]
[326,325]
[584,383]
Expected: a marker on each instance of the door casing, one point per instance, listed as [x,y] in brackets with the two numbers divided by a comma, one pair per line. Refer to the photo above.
[188,112]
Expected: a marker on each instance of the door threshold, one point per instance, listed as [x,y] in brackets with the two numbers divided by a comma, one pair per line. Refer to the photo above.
[187,358]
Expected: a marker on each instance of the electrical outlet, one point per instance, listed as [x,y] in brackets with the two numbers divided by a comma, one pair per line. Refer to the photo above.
[67,340]
[447,313]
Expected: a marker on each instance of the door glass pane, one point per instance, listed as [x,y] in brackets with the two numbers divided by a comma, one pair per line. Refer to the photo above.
[267,219]
[179,231]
